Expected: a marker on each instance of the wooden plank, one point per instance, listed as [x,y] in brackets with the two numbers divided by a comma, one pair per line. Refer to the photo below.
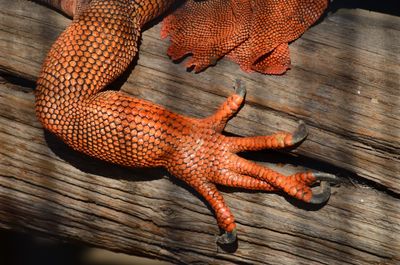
[60,193]
[344,85]
[350,99]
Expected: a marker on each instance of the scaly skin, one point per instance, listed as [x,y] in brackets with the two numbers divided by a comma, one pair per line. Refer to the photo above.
[71,102]
[253,33]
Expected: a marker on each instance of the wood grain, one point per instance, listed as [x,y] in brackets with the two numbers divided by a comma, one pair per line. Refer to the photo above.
[344,84]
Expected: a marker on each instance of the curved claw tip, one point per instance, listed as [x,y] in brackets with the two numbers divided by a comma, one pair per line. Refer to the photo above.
[322,195]
[300,134]
[227,238]
[239,88]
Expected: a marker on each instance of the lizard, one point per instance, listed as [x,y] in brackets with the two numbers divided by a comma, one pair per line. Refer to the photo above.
[72,102]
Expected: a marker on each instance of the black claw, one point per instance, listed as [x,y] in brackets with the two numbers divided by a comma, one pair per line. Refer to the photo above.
[326,177]
[300,134]
[239,88]
[324,192]
[322,195]
[227,238]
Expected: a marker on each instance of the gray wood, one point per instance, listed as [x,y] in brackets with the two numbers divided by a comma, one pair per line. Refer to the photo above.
[344,84]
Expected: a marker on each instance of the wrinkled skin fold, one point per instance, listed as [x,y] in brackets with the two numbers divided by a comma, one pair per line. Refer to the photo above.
[253,33]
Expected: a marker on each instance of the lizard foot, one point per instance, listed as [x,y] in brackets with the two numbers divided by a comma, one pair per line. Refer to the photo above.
[205,158]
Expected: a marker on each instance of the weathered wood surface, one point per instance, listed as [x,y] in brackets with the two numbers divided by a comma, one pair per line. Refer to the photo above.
[344,84]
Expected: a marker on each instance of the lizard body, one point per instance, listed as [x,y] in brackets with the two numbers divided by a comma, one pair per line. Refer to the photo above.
[73,103]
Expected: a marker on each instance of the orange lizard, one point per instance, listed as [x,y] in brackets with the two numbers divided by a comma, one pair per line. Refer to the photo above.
[72,100]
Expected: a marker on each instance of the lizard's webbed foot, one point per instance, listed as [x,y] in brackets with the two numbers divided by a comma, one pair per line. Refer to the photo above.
[207,158]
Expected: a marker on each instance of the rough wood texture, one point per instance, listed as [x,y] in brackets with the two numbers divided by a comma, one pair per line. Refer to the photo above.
[344,84]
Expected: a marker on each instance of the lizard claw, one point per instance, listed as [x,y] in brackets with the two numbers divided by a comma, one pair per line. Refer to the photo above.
[300,134]
[227,238]
[324,192]
[322,195]
[239,87]
[326,177]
